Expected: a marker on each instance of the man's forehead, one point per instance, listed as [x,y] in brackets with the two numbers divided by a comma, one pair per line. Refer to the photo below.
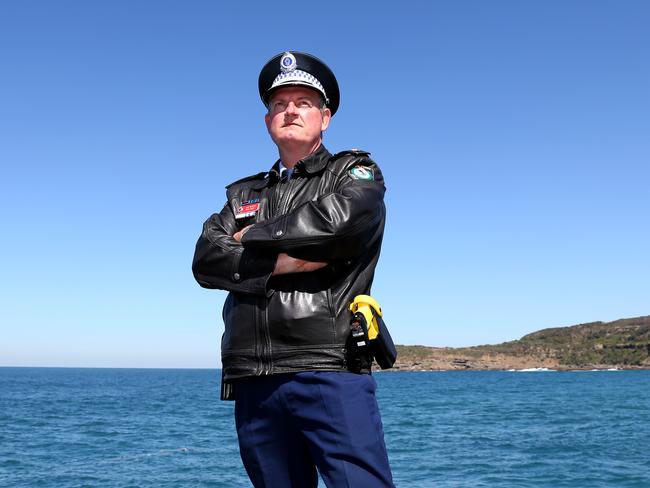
[295,92]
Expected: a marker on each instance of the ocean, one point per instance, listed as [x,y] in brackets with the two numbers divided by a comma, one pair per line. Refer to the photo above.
[65,428]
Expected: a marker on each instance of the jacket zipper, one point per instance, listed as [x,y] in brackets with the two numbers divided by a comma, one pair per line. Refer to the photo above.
[265,354]
[264,345]
[284,198]
[265,364]
[272,199]
[266,349]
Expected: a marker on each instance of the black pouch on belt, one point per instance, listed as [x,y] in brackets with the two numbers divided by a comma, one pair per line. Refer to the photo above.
[383,347]
[369,336]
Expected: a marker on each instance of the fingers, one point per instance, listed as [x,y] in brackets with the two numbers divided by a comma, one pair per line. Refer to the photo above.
[240,233]
[311,266]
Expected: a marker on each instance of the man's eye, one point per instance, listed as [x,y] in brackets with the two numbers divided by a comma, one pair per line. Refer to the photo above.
[304,104]
[279,106]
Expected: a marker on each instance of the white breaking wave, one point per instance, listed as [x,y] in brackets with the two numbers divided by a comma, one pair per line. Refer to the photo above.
[528,370]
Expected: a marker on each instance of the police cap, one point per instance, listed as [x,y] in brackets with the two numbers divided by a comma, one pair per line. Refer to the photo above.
[293,68]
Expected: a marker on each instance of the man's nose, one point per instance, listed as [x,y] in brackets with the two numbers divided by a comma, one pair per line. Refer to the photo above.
[291,108]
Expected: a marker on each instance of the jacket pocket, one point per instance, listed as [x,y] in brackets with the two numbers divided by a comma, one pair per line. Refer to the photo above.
[301,319]
[240,319]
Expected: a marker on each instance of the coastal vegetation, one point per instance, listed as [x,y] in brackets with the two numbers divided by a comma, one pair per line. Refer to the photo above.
[623,344]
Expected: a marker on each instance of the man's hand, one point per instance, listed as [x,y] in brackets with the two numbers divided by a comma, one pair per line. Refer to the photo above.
[286,265]
[240,233]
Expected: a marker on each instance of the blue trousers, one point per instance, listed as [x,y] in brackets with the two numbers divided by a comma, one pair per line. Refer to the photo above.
[291,425]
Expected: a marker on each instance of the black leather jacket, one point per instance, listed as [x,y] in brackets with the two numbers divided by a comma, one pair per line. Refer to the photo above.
[332,210]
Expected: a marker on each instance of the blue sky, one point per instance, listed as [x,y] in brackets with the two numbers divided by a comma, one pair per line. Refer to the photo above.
[513,137]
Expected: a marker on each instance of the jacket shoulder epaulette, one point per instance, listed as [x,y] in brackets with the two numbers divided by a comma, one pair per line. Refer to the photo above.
[351,152]
[259,176]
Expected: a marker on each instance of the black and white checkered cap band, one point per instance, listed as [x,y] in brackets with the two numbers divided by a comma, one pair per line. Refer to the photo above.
[298,77]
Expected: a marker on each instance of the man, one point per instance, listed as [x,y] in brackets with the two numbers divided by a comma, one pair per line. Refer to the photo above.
[294,246]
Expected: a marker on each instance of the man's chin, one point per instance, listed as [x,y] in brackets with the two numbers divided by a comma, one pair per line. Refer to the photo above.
[292,139]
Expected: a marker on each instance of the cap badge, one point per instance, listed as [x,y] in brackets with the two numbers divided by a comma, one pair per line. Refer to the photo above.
[287,62]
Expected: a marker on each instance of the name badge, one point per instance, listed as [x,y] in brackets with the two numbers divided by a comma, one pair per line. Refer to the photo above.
[248,209]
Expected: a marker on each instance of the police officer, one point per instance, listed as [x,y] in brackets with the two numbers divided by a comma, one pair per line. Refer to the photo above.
[293,246]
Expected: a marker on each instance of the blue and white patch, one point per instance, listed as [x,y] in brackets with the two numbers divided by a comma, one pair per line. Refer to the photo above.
[362,173]
[288,62]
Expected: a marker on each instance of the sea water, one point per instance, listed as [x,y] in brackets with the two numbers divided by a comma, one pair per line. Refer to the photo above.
[64,428]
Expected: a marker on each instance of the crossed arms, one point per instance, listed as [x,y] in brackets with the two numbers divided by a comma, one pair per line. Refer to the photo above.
[336,226]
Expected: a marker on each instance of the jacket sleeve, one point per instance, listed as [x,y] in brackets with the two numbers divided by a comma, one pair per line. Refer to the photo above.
[338,225]
[221,262]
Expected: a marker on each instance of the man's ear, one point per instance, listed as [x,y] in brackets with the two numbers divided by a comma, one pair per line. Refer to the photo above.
[267,120]
[325,119]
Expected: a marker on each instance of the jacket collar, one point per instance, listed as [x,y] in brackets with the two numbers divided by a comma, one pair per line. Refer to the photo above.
[314,163]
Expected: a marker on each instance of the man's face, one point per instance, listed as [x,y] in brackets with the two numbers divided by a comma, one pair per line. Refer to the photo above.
[295,117]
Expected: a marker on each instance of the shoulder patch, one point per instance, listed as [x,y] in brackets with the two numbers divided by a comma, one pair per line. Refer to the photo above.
[359,172]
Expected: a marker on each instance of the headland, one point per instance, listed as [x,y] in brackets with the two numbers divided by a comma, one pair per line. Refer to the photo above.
[621,344]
